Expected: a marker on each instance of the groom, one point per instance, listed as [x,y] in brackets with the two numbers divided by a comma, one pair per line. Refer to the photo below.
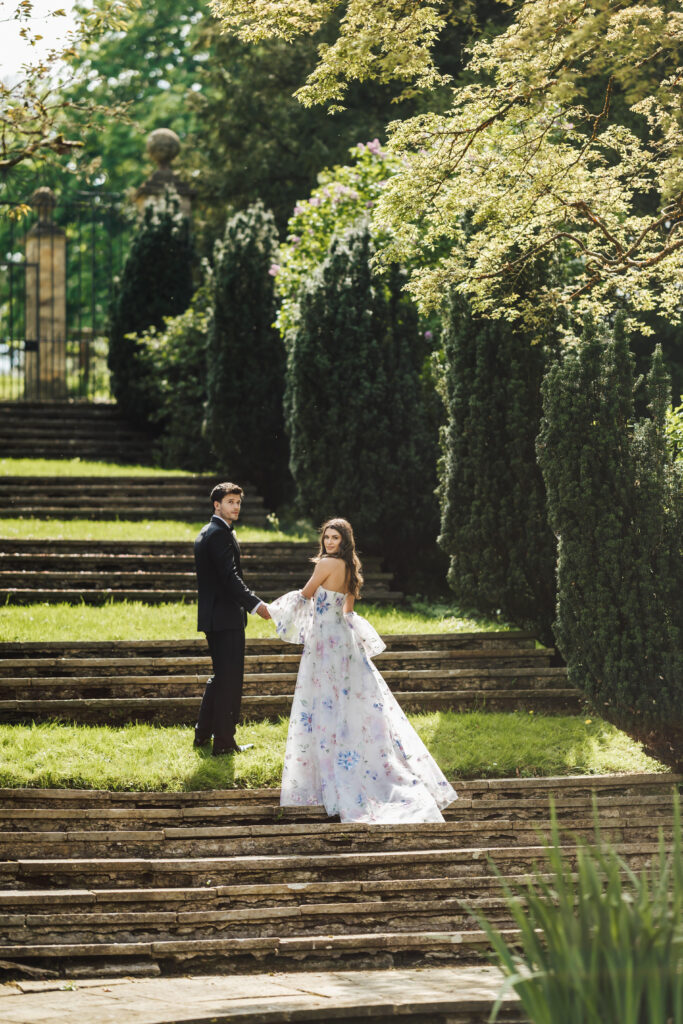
[224,600]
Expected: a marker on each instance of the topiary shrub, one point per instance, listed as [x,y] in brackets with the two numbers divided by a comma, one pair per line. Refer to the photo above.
[156,282]
[494,524]
[246,358]
[173,363]
[363,440]
[615,500]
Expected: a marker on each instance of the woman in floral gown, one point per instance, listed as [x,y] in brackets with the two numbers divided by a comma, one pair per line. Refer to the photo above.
[349,745]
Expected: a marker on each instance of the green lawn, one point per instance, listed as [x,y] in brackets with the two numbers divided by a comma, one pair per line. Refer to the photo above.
[78,467]
[466,746]
[145,529]
[132,620]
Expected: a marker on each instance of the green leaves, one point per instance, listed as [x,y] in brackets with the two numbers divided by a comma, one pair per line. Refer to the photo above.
[597,941]
[615,502]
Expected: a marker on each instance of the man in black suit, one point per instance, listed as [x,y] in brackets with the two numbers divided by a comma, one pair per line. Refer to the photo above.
[223,603]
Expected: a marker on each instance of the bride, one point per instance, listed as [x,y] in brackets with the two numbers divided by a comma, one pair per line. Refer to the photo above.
[349,744]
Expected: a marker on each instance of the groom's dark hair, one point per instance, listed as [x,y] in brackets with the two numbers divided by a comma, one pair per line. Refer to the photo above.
[220,490]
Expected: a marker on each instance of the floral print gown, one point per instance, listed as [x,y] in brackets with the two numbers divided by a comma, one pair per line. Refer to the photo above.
[349,745]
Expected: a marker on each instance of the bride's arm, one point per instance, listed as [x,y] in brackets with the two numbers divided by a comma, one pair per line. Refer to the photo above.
[348,604]
[320,574]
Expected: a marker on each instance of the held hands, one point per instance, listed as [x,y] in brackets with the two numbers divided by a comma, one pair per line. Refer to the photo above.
[262,610]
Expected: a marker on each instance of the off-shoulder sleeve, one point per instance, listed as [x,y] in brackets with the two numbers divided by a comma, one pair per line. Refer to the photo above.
[367,636]
[292,614]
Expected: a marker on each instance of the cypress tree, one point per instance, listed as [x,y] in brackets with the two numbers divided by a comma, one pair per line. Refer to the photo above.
[246,358]
[363,443]
[156,282]
[615,503]
[494,523]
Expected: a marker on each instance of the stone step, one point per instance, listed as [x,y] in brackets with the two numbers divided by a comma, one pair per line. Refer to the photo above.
[514,791]
[134,818]
[184,513]
[269,952]
[199,664]
[184,710]
[50,580]
[14,595]
[309,838]
[197,871]
[278,893]
[434,912]
[276,683]
[298,552]
[196,646]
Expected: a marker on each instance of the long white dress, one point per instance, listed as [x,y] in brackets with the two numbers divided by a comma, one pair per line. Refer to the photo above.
[349,745]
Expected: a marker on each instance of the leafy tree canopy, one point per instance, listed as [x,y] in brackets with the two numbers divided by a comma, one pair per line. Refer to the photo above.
[38,120]
[566,139]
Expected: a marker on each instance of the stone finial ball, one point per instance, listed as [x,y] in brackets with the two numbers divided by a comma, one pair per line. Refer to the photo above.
[44,198]
[163,145]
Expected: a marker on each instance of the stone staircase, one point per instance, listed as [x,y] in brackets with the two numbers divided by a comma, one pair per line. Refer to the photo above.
[229,882]
[63,430]
[151,571]
[184,498]
[162,681]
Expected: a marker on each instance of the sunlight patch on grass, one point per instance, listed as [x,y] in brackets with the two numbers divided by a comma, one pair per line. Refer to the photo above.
[133,620]
[466,746]
[139,530]
[79,467]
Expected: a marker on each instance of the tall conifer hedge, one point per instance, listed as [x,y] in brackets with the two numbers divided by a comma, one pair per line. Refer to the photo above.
[363,438]
[494,524]
[156,282]
[246,358]
[615,499]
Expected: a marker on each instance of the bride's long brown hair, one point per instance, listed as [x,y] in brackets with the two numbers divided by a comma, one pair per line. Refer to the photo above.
[347,552]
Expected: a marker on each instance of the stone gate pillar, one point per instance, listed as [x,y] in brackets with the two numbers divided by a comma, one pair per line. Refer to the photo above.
[45,359]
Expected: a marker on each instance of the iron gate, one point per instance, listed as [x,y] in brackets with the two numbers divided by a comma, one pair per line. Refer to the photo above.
[58,264]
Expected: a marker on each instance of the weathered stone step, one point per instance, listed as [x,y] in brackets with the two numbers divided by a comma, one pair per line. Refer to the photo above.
[131,818]
[196,646]
[16,595]
[183,512]
[184,872]
[630,786]
[41,668]
[155,497]
[269,952]
[58,580]
[277,683]
[57,429]
[306,838]
[442,913]
[184,710]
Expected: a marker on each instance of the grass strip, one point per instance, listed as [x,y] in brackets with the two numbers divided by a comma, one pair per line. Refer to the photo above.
[138,530]
[79,467]
[133,620]
[466,746]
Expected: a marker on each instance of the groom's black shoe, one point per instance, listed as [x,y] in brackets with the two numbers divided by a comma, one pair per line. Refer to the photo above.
[199,742]
[235,748]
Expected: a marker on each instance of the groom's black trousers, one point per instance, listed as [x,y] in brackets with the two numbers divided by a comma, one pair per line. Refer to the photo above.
[220,709]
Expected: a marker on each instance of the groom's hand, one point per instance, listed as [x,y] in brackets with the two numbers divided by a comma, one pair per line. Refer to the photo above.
[263,611]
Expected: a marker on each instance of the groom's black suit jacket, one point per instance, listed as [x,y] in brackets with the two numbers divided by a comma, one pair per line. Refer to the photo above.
[223,596]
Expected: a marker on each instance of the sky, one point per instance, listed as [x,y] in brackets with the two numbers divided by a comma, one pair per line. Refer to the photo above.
[13,50]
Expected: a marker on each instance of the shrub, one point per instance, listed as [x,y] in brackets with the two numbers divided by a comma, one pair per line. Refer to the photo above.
[174,367]
[615,500]
[599,943]
[246,358]
[363,440]
[494,524]
[156,282]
